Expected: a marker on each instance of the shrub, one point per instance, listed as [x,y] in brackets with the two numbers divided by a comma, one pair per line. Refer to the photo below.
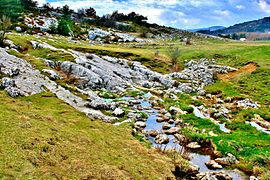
[5,23]
[65,26]
[174,55]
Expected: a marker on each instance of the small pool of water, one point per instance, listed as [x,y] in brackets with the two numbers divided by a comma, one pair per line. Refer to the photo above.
[259,128]
[199,114]
[223,128]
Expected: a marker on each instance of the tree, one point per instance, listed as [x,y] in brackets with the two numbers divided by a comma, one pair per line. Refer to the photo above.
[174,55]
[29,5]
[90,12]
[65,26]
[66,10]
[46,8]
[11,8]
[81,13]
[5,23]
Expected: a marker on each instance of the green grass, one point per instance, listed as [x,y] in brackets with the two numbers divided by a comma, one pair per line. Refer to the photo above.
[42,137]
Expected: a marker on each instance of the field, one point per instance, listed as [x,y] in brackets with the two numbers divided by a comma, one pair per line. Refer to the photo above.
[45,135]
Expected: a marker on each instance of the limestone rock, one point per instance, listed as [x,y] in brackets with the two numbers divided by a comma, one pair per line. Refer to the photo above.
[119,112]
[193,145]
[162,139]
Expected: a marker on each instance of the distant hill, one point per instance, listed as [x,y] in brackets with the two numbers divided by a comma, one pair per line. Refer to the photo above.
[256,26]
[212,28]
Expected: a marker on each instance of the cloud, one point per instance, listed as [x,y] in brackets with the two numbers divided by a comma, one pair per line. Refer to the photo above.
[223,13]
[240,7]
[179,13]
[264,5]
[41,2]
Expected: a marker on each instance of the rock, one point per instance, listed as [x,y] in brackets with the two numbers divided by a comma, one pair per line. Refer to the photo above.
[118,112]
[219,175]
[171,121]
[260,121]
[52,74]
[193,169]
[160,119]
[7,82]
[211,133]
[178,121]
[174,110]
[180,137]
[200,73]
[166,126]
[153,133]
[139,125]
[201,92]
[13,91]
[229,160]
[193,145]
[253,178]
[165,118]
[228,100]
[173,130]
[162,139]
[213,165]
[30,81]
[247,103]
[18,29]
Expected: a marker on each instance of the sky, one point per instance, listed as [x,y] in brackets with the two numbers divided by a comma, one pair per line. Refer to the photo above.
[183,14]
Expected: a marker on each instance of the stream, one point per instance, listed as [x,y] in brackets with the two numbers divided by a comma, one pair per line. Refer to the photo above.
[194,157]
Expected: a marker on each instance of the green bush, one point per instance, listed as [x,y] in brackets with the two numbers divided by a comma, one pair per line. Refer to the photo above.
[65,26]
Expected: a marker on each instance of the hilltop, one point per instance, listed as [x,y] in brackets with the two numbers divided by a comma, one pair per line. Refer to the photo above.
[256,28]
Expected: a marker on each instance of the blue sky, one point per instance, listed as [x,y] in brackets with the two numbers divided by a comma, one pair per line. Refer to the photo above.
[183,14]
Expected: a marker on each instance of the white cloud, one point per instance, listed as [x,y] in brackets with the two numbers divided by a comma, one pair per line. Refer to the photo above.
[41,2]
[224,13]
[240,7]
[264,5]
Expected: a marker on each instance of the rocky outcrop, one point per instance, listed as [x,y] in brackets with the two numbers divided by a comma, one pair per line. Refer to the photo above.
[23,80]
[101,36]
[112,74]
[201,73]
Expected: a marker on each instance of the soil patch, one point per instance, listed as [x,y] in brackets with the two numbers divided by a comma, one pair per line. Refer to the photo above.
[249,68]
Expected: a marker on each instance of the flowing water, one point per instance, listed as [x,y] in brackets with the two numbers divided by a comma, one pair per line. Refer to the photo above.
[199,114]
[195,158]
[259,128]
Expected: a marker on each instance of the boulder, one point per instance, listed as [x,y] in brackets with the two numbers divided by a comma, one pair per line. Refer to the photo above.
[180,137]
[166,126]
[193,145]
[174,110]
[153,133]
[52,74]
[172,130]
[139,125]
[229,160]
[213,165]
[18,29]
[118,112]
[162,139]
[219,175]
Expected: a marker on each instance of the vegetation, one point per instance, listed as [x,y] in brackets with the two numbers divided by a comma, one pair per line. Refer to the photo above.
[43,137]
[11,8]
[4,25]
[174,55]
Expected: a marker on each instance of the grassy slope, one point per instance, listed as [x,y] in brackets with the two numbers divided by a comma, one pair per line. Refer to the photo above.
[40,136]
